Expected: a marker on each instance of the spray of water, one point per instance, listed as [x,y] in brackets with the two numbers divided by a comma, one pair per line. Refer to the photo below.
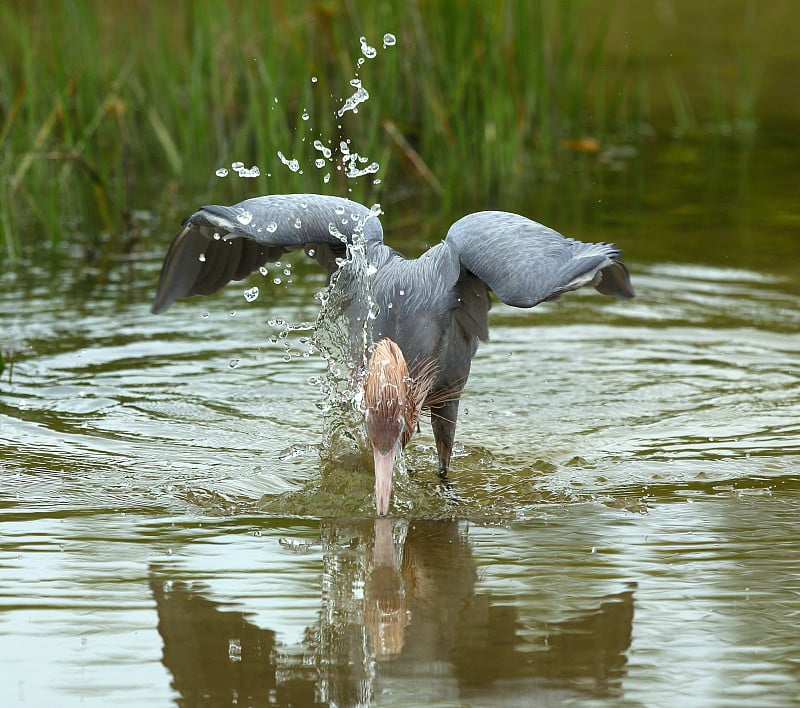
[343,336]
[342,333]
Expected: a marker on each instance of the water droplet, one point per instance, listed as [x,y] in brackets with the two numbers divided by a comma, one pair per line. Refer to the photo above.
[244,218]
[311,252]
[232,313]
[326,151]
[202,258]
[297,223]
[313,79]
[272,227]
[222,172]
[390,305]
[352,171]
[233,363]
[305,115]
[254,171]
[366,50]
[286,271]
[204,315]
[352,102]
[251,294]
[263,270]
[292,164]
[339,210]
[402,292]
[389,40]
[236,166]
[327,178]
[319,162]
[277,281]
[234,650]
[217,237]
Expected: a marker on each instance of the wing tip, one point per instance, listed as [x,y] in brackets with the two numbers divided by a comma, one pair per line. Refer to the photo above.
[615,280]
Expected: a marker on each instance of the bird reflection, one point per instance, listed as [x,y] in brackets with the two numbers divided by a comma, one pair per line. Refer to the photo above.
[399,607]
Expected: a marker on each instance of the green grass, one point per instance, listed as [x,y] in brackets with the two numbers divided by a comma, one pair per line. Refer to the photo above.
[113,112]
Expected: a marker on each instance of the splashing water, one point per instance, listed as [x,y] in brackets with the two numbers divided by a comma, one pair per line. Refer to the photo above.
[343,336]
[326,151]
[249,173]
[351,169]
[251,294]
[352,102]
[352,160]
[366,50]
[292,164]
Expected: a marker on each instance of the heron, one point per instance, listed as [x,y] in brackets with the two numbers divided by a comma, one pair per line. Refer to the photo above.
[431,312]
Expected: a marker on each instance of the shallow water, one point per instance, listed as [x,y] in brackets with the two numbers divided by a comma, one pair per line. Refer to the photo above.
[629,469]
[620,527]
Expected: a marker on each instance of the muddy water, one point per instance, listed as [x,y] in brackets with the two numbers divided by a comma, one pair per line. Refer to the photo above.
[620,529]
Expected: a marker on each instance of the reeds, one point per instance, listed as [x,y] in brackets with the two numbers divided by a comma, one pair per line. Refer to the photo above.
[111,112]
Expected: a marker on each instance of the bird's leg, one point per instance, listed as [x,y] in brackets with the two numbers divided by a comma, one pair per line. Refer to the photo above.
[443,422]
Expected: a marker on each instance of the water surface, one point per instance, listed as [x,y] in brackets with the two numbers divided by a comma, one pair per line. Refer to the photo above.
[620,529]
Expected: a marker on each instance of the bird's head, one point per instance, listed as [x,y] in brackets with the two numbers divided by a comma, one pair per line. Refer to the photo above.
[392,403]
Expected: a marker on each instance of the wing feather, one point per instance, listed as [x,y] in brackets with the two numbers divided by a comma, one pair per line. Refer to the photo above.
[525,263]
[218,244]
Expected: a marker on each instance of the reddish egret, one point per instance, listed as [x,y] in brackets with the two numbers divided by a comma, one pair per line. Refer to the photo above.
[431,311]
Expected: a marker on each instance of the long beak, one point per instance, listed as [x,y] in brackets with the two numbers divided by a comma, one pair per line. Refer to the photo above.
[384,463]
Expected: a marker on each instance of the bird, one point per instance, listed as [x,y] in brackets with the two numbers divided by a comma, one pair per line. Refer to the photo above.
[430,313]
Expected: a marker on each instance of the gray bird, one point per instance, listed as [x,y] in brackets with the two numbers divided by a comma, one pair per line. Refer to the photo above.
[431,311]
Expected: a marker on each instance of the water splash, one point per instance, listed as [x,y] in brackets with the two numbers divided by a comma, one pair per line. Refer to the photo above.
[343,336]
[326,151]
[351,161]
[292,164]
[368,51]
[251,294]
[352,170]
[352,102]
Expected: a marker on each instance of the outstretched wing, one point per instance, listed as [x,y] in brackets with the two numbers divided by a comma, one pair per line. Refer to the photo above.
[218,244]
[525,263]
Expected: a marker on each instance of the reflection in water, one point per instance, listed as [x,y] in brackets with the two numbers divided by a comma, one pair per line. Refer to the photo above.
[212,653]
[398,601]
